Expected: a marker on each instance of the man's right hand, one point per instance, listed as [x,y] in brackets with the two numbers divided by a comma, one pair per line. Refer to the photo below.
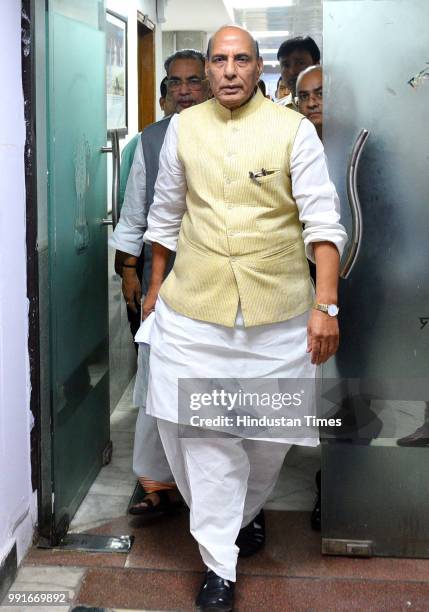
[131,288]
[149,302]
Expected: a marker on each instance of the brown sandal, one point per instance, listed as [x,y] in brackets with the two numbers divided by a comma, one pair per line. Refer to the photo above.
[152,510]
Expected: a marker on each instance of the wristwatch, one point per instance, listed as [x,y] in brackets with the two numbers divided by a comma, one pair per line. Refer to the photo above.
[331,309]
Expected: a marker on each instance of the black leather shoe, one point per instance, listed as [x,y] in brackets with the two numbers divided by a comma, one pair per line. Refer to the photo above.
[215,594]
[252,537]
[316,515]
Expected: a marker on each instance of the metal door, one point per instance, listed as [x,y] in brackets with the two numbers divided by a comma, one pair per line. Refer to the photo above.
[375,491]
[79,350]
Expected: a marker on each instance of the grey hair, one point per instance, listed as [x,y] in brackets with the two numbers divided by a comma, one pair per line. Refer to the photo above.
[185,54]
[315,68]
[254,41]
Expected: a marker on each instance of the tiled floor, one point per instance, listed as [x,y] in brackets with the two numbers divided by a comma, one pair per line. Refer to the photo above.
[163,569]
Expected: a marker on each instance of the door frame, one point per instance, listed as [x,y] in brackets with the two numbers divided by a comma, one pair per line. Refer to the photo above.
[34,89]
[43,486]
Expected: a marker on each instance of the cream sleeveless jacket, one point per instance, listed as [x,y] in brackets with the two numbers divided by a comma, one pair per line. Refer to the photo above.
[240,238]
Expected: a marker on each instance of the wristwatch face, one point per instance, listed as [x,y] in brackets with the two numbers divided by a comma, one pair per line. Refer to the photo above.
[332,310]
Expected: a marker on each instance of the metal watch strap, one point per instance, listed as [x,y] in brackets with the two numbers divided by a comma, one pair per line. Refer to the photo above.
[331,310]
[321,307]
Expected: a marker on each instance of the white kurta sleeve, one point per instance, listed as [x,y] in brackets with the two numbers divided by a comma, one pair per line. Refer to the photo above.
[169,203]
[314,193]
[128,234]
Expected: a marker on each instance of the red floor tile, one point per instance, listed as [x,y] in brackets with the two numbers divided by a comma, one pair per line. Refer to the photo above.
[255,594]
[139,589]
[147,589]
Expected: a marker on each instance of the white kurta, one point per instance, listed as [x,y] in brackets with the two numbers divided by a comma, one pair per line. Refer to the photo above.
[128,234]
[182,347]
[148,455]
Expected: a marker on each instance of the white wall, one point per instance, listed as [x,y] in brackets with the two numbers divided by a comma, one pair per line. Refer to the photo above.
[17,503]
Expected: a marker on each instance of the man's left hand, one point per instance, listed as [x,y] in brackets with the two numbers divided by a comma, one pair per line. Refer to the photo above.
[322,336]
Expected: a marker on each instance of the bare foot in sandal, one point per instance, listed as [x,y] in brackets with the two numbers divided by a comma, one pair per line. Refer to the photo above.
[153,500]
[155,504]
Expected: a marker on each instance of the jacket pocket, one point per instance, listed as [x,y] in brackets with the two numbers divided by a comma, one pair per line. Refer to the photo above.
[273,175]
[261,260]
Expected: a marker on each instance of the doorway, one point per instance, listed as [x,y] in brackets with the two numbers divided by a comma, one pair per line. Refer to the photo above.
[146,70]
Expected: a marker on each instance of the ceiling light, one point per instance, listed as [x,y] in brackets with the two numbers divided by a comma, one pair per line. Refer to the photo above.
[269,34]
[257,4]
[230,5]
[267,51]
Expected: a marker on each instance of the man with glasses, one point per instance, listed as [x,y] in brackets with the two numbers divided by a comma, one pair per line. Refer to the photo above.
[309,96]
[155,494]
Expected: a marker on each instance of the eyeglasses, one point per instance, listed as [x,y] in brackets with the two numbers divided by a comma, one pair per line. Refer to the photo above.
[194,83]
[304,96]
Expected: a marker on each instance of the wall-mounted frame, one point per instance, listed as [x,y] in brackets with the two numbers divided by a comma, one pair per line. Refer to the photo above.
[116,73]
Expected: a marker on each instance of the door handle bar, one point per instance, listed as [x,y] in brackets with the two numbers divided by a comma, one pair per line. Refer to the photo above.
[116,173]
[355,207]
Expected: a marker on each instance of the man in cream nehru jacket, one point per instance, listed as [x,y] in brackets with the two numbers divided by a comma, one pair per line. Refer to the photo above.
[238,177]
